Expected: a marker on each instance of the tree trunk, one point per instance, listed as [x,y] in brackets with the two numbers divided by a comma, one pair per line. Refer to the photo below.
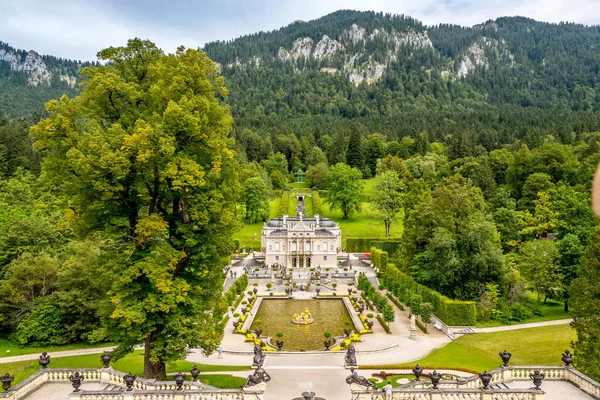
[566,305]
[387,228]
[153,370]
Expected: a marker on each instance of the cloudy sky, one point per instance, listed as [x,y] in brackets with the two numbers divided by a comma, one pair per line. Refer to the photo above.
[77,29]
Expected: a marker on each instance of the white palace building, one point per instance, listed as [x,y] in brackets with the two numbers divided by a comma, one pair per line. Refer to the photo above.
[301,242]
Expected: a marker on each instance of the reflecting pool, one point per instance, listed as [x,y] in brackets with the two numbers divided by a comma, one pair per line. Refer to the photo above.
[330,315]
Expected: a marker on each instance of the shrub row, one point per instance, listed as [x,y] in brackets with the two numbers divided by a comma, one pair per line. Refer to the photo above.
[364,244]
[317,203]
[383,324]
[452,312]
[371,293]
[285,199]
[396,302]
[236,245]
[389,246]
[235,290]
[379,258]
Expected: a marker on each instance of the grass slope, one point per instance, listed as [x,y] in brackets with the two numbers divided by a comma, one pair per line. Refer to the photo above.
[10,349]
[479,352]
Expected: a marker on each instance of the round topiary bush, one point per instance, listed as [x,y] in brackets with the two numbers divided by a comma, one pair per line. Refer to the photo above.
[236,315]
[255,284]
[250,292]
[370,315]
[244,302]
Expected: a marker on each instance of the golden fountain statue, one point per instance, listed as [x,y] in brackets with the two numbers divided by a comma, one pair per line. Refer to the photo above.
[304,318]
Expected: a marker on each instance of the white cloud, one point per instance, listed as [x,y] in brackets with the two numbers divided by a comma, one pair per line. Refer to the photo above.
[78,29]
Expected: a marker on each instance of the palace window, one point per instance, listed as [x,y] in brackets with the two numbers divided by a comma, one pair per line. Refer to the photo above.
[325,246]
[307,247]
[324,258]
[294,246]
[276,246]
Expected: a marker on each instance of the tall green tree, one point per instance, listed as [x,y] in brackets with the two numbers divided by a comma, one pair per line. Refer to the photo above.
[355,155]
[345,189]
[255,197]
[538,263]
[585,306]
[143,156]
[388,199]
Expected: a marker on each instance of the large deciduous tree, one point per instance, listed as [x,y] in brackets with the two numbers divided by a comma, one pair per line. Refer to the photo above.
[585,306]
[144,157]
[255,196]
[387,201]
[345,189]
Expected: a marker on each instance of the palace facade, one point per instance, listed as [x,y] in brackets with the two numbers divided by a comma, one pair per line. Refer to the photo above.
[301,242]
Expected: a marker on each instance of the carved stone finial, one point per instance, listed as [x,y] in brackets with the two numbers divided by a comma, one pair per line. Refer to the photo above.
[44,360]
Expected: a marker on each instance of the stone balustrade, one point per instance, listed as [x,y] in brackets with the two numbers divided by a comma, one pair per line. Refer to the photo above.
[143,389]
[453,394]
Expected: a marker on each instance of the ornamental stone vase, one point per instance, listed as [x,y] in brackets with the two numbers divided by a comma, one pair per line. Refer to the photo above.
[327,344]
[6,380]
[347,332]
[76,380]
[435,379]
[194,373]
[44,360]
[349,291]
[255,290]
[318,290]
[129,379]
[106,357]
[537,378]
[179,378]
[567,358]
[258,333]
[505,356]
[279,345]
[485,377]
[417,370]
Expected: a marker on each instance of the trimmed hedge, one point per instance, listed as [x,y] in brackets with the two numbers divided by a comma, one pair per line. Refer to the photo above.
[236,245]
[389,246]
[383,325]
[379,258]
[452,312]
[317,203]
[364,244]
[285,199]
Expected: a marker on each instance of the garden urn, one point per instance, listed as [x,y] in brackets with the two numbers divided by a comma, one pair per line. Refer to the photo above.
[537,378]
[435,378]
[44,359]
[417,370]
[106,357]
[255,290]
[505,356]
[6,380]
[485,377]
[327,344]
[308,395]
[76,380]
[567,358]
[179,378]
[279,345]
[195,372]
[129,379]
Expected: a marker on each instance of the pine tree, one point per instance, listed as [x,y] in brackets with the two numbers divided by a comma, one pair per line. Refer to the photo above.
[355,155]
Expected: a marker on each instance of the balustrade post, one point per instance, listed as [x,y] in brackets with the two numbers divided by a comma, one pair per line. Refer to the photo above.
[178,396]
[486,395]
[538,395]
[75,395]
[507,374]
[436,395]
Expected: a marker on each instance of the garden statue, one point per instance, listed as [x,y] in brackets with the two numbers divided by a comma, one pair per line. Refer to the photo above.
[370,324]
[347,332]
[485,377]
[76,380]
[417,371]
[129,379]
[106,357]
[357,379]
[567,358]
[308,395]
[6,380]
[505,356]
[413,327]
[350,358]
[304,318]
[259,357]
[44,360]
[259,376]
[195,372]
[537,379]
[179,378]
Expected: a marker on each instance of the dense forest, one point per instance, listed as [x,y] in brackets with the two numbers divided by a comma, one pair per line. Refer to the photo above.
[492,131]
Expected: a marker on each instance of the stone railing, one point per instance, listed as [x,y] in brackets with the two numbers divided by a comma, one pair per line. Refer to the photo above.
[471,387]
[452,394]
[143,389]
[451,331]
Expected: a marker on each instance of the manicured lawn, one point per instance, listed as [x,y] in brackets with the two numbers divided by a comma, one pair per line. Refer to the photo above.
[246,234]
[479,352]
[223,381]
[133,363]
[369,186]
[292,203]
[298,185]
[308,207]
[364,224]
[9,349]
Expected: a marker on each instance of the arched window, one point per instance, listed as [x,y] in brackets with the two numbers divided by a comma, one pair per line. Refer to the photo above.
[307,247]
[294,247]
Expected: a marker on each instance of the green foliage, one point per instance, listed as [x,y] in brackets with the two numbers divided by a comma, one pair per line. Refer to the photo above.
[538,263]
[255,197]
[345,189]
[388,200]
[141,169]
[364,244]
[317,203]
[44,325]
[285,201]
[585,302]
[452,312]
[316,175]
[384,325]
